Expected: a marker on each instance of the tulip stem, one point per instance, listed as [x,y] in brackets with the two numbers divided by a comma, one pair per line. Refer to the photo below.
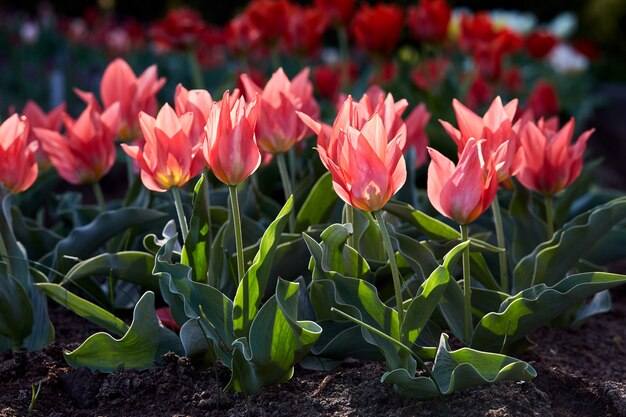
[350,219]
[410,162]
[397,286]
[284,176]
[234,206]
[196,72]
[497,219]
[467,289]
[97,191]
[180,212]
[549,216]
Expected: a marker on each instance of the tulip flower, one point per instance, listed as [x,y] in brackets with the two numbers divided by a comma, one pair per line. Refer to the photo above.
[135,94]
[18,165]
[86,151]
[168,158]
[198,102]
[549,162]
[543,99]
[496,127]
[38,118]
[377,29]
[416,137]
[278,127]
[540,43]
[462,193]
[429,20]
[339,11]
[230,147]
[231,151]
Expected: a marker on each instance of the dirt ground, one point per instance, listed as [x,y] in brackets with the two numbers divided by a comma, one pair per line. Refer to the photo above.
[580,373]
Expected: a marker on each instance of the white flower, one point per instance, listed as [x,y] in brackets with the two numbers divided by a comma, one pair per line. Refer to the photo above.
[520,22]
[29,32]
[564,25]
[565,59]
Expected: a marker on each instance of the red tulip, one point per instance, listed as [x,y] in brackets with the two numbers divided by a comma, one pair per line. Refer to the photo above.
[169,157]
[428,21]
[366,167]
[86,151]
[305,28]
[18,167]
[135,94]
[543,99]
[540,43]
[496,127]
[377,28]
[230,146]
[430,73]
[180,29]
[549,163]
[327,81]
[462,192]
[278,127]
[479,93]
[198,102]
[269,18]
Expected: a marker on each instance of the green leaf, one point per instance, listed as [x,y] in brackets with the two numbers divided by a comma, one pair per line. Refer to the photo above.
[197,248]
[252,286]
[143,344]
[318,205]
[430,226]
[95,314]
[551,260]
[133,267]
[520,314]
[84,241]
[419,257]
[458,370]
[276,342]
[198,347]
[16,310]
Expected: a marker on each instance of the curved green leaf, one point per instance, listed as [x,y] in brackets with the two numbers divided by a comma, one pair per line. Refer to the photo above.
[131,266]
[252,287]
[457,370]
[277,342]
[16,310]
[521,314]
[143,344]
[551,260]
[95,314]
[318,205]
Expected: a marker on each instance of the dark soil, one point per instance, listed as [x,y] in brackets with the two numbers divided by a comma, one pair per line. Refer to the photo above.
[581,373]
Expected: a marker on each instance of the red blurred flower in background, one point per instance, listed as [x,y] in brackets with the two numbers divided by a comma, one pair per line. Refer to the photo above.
[339,12]
[429,74]
[540,43]
[327,81]
[86,151]
[377,28]
[543,99]
[18,166]
[180,29]
[305,28]
[429,20]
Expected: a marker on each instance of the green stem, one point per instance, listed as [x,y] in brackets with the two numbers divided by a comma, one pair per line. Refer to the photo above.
[207,204]
[97,191]
[284,177]
[549,216]
[196,72]
[385,336]
[344,56]
[397,286]
[350,219]
[130,172]
[234,205]
[410,166]
[467,289]
[178,203]
[497,219]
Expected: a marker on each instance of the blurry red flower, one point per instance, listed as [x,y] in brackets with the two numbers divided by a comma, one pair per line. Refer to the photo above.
[270,18]
[587,48]
[540,43]
[543,99]
[338,11]
[429,74]
[377,28]
[428,21]
[180,29]
[479,93]
[327,81]
[513,79]
[305,28]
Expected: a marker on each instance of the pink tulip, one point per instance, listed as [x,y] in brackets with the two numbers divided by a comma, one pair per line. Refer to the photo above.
[496,127]
[230,146]
[548,161]
[416,136]
[135,94]
[169,157]
[38,118]
[278,127]
[86,151]
[18,167]
[463,192]
[366,167]
[198,102]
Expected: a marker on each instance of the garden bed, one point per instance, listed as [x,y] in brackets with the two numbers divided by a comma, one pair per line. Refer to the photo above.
[580,373]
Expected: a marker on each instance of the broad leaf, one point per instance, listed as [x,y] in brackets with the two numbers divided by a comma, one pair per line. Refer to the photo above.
[318,205]
[16,310]
[143,344]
